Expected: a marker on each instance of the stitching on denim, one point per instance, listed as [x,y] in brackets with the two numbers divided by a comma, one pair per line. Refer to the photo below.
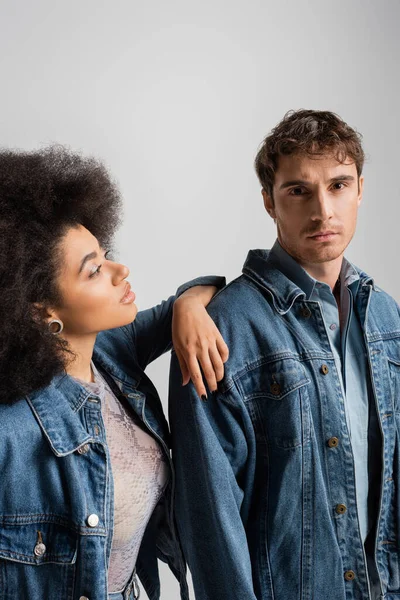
[18,521]
[38,561]
[287,390]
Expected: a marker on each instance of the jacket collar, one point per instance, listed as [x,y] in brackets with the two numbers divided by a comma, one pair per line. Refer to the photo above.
[57,406]
[265,268]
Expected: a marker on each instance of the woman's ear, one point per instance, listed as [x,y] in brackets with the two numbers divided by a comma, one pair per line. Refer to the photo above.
[42,313]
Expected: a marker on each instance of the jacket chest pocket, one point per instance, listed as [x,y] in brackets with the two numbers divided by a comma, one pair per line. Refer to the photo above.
[37,561]
[276,395]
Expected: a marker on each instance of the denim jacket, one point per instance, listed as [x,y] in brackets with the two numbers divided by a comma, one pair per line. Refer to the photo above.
[56,486]
[266,496]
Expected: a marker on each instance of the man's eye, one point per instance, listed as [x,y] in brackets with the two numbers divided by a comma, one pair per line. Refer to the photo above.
[339,185]
[297,191]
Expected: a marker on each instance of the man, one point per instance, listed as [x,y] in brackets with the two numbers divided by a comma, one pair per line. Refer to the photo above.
[288,477]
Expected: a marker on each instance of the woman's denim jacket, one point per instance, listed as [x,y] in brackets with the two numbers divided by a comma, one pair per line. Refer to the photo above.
[264,464]
[56,486]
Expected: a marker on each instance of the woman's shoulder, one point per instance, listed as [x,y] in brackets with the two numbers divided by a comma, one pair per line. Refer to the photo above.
[19,428]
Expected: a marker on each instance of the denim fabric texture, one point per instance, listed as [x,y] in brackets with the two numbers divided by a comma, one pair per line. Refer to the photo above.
[56,492]
[266,485]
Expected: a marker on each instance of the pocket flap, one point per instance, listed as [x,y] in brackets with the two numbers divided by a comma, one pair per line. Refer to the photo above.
[274,380]
[38,543]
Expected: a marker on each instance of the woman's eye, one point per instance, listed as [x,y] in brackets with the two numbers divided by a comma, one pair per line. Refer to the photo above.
[95,271]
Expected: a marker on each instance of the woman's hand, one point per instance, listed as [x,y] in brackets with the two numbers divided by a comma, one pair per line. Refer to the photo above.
[197,341]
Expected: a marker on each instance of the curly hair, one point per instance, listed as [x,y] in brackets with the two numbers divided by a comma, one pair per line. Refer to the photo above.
[42,195]
[310,132]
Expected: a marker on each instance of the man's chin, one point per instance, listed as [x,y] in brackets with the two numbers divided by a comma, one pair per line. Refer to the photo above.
[322,255]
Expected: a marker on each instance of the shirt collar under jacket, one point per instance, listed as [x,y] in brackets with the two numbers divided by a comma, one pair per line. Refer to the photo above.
[286,280]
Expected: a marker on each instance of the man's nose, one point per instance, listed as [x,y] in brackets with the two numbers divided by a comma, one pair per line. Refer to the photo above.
[322,206]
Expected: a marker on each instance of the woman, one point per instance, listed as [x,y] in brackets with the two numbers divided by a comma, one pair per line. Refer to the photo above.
[83,440]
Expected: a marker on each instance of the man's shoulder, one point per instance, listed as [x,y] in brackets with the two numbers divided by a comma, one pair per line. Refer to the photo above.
[240,293]
[384,311]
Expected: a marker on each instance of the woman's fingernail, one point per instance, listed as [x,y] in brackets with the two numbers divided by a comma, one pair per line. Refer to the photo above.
[204,398]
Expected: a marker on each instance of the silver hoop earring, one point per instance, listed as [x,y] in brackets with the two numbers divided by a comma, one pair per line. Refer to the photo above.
[60,326]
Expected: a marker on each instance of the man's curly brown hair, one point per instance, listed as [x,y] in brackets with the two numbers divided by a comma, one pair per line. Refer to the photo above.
[42,195]
[310,132]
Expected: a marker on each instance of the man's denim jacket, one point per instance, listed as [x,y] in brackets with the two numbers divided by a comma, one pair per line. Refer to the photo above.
[56,485]
[265,497]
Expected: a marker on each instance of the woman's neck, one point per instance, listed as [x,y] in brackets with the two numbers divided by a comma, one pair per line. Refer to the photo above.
[82,348]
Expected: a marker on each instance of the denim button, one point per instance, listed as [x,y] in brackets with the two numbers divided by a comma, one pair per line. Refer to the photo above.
[341,509]
[83,449]
[275,389]
[324,369]
[349,575]
[39,549]
[93,520]
[333,442]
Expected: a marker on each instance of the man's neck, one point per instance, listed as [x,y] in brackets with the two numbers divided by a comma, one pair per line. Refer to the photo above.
[327,272]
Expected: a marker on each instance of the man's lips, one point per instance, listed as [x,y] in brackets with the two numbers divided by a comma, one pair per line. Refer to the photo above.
[128,296]
[323,235]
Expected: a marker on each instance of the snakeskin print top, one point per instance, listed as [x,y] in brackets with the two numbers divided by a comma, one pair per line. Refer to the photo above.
[140,474]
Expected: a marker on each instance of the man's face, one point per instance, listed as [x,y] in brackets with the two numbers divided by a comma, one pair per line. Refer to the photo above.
[315,204]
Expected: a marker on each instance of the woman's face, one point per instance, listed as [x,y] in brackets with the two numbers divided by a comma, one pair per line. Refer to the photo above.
[95,293]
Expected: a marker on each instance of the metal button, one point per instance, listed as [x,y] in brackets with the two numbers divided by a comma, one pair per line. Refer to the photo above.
[83,598]
[341,509]
[93,520]
[305,312]
[349,575]
[96,430]
[83,449]
[39,549]
[332,327]
[275,389]
[324,369]
[333,442]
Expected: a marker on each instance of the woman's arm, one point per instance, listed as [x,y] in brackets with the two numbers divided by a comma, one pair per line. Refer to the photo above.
[197,341]
[196,338]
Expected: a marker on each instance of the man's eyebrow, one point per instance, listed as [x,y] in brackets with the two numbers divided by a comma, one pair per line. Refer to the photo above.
[86,259]
[295,182]
[287,184]
[341,178]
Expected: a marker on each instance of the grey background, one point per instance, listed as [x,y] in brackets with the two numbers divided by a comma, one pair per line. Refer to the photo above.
[176,95]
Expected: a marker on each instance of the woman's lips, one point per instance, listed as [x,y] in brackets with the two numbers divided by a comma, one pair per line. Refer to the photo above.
[128,296]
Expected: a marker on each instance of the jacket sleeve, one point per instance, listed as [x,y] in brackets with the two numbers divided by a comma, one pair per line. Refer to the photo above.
[152,330]
[211,443]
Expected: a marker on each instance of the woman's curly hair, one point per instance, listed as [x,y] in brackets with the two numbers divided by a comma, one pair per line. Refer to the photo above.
[42,195]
